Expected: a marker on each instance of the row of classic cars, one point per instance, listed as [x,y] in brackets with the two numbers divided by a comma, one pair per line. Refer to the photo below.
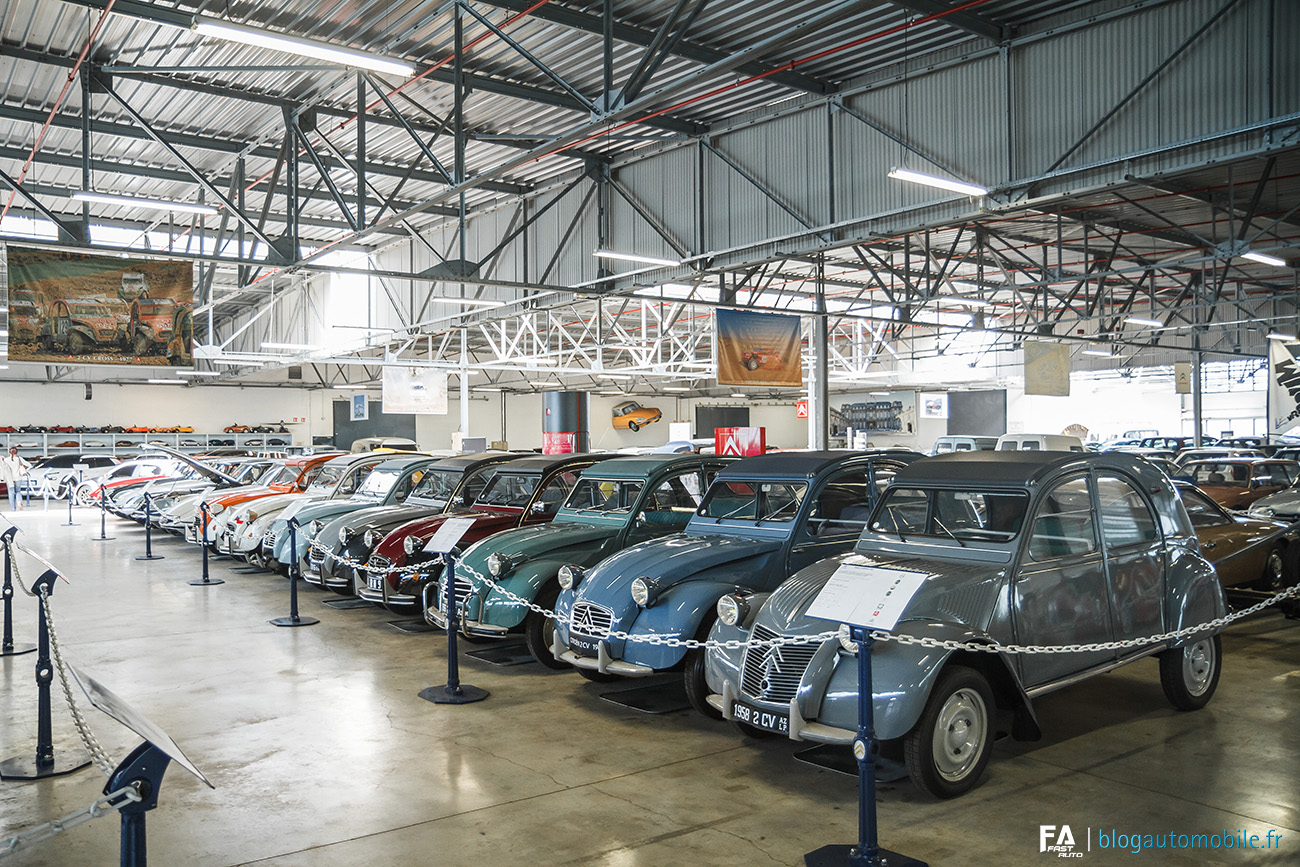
[707,565]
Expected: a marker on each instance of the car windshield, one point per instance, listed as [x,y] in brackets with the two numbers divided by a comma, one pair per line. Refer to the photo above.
[956,514]
[509,489]
[281,476]
[606,496]
[1213,473]
[1203,511]
[378,484]
[328,477]
[23,310]
[437,486]
[738,500]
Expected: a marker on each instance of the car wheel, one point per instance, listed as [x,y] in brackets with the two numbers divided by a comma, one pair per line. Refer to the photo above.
[141,345]
[633,426]
[1275,571]
[1190,674]
[539,629]
[82,494]
[948,748]
[697,688]
[597,677]
[751,364]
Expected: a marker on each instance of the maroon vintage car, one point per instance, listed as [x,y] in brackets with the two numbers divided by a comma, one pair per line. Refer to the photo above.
[755,358]
[522,492]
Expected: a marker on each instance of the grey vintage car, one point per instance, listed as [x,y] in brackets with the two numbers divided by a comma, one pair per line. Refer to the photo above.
[1030,548]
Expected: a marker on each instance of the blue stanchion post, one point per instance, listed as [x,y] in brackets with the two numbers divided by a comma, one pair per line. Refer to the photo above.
[8,647]
[148,530]
[203,543]
[293,619]
[103,514]
[867,851]
[453,691]
[143,769]
[46,762]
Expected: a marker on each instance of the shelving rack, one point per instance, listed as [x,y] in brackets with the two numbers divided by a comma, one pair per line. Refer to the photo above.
[37,444]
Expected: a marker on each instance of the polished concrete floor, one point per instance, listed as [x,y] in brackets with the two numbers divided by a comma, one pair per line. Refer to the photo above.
[322,754]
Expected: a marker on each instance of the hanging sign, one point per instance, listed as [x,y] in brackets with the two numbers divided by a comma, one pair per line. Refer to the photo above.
[759,349]
[418,390]
[1283,386]
[868,596]
[801,409]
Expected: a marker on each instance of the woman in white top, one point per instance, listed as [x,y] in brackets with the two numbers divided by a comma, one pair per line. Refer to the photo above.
[13,469]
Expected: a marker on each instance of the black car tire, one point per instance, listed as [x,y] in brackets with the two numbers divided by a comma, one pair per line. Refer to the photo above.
[697,688]
[957,724]
[141,345]
[1190,674]
[633,426]
[538,629]
[751,364]
[77,344]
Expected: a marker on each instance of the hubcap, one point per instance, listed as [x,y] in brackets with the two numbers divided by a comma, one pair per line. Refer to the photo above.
[1198,666]
[959,734]
[1273,572]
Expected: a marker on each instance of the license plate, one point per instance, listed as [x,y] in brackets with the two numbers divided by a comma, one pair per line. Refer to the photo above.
[584,646]
[375,582]
[761,719]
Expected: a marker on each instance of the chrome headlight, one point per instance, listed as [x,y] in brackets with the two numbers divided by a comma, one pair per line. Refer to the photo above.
[733,609]
[345,533]
[644,591]
[216,509]
[570,576]
[845,641]
[411,544]
[370,539]
[315,527]
[252,516]
[498,564]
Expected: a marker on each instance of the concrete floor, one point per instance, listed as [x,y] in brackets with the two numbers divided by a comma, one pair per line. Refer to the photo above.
[323,755]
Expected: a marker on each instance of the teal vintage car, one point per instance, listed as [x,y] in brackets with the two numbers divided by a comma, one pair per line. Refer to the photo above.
[615,504]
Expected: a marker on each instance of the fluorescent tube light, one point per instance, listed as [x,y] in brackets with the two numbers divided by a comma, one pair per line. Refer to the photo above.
[197,373]
[967,300]
[486,388]
[1149,323]
[611,393]
[740,395]
[166,381]
[142,202]
[1264,259]
[1100,353]
[234,362]
[300,346]
[942,183]
[880,393]
[1278,335]
[297,45]
[676,388]
[634,257]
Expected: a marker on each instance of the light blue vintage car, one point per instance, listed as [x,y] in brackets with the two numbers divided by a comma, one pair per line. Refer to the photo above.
[1030,548]
[762,519]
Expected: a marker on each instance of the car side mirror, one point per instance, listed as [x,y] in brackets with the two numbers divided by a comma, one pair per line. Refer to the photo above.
[458,500]
[538,509]
[640,520]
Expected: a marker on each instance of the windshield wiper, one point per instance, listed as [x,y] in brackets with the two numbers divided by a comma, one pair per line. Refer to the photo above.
[951,534]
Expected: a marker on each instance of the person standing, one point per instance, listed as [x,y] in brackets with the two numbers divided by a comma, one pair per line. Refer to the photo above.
[13,469]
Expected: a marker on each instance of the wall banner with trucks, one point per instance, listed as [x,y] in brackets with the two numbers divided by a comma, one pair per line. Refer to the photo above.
[73,308]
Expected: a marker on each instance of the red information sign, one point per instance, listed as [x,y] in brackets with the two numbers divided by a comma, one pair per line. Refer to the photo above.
[801,409]
[744,441]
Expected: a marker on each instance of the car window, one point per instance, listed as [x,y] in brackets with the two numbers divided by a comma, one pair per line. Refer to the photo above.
[1063,526]
[735,500]
[1126,518]
[843,506]
[1212,473]
[881,476]
[604,496]
[440,485]
[508,489]
[1203,511]
[353,479]
[953,514]
[474,482]
[555,490]
[406,484]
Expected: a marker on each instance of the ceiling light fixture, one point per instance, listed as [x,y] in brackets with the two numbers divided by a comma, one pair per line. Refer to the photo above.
[237,362]
[1281,335]
[486,388]
[300,346]
[1100,353]
[739,395]
[166,381]
[312,48]
[676,388]
[1149,323]
[942,183]
[967,300]
[197,373]
[635,257]
[1264,259]
[142,202]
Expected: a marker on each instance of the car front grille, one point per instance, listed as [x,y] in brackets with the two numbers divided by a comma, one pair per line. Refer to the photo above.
[464,590]
[591,620]
[772,673]
[268,540]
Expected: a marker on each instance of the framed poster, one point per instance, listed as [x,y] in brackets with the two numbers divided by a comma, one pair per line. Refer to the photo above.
[360,408]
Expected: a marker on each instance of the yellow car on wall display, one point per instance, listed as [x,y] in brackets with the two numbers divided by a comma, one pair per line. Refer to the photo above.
[630,415]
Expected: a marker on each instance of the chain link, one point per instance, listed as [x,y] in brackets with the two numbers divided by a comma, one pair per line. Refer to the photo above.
[518,601]
[83,728]
[110,803]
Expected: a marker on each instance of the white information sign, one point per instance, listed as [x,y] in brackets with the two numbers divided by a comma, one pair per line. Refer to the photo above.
[448,535]
[870,596]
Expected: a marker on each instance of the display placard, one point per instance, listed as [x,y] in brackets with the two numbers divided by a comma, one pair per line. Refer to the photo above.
[448,535]
[870,596]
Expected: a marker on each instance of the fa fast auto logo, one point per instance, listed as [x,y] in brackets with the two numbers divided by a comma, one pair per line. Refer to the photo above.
[1058,840]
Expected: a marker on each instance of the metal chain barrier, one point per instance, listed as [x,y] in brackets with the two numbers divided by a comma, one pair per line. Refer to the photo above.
[110,803]
[56,652]
[898,638]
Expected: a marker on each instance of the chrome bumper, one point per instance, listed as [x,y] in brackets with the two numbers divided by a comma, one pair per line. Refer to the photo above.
[800,729]
[602,663]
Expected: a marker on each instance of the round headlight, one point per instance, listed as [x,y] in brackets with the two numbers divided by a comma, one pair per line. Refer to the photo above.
[570,576]
[216,509]
[733,609]
[345,533]
[498,563]
[411,544]
[845,642]
[370,539]
[644,591]
[252,516]
[314,528]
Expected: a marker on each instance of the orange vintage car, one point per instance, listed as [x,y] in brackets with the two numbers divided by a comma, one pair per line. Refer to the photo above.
[1235,483]
[293,476]
[630,415]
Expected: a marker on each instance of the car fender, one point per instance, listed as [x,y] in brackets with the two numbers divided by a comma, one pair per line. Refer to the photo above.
[677,613]
[1194,591]
[526,580]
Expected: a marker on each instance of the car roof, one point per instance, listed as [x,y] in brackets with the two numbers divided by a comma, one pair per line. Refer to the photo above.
[1236,459]
[474,461]
[1014,468]
[644,466]
[347,460]
[390,462]
[544,463]
[785,465]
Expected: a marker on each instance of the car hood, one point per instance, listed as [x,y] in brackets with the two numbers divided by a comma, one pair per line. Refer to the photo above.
[272,503]
[378,518]
[955,591]
[485,524]
[669,560]
[1287,502]
[547,541]
[307,511]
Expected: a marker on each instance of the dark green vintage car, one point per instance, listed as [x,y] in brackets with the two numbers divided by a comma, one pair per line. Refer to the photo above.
[615,504]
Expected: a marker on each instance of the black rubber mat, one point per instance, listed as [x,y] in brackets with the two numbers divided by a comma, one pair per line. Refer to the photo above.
[514,653]
[663,697]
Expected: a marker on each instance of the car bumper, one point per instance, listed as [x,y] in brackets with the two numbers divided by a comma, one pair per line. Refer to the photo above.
[602,662]
[800,729]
